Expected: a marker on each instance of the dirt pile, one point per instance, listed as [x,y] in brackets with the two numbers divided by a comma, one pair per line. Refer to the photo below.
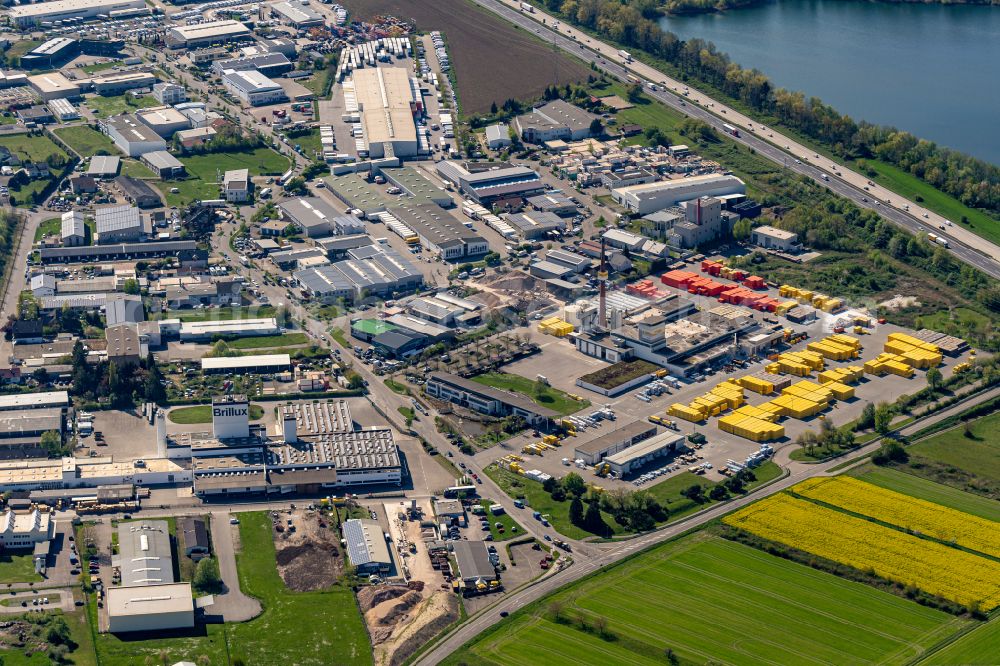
[371,596]
[400,608]
[308,559]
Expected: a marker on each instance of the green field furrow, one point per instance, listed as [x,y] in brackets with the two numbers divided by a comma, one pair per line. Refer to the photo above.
[713,600]
[979,647]
[939,493]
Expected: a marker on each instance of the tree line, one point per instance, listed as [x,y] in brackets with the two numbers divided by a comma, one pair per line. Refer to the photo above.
[973,181]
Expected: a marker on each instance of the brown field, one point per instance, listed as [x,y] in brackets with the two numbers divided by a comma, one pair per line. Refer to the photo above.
[492,60]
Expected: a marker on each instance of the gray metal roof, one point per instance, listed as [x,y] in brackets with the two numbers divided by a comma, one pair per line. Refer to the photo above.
[474,560]
[365,542]
[104,165]
[117,218]
[161,159]
[144,553]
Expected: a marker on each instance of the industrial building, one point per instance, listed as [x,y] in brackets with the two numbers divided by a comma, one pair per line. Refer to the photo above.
[296,14]
[104,166]
[138,192]
[486,399]
[18,401]
[772,238]
[125,345]
[533,225]
[207,330]
[241,365]
[36,115]
[117,224]
[43,474]
[63,109]
[317,446]
[149,597]
[268,64]
[633,458]
[164,120]
[497,136]
[487,182]
[650,197]
[51,53]
[554,203]
[41,13]
[134,138]
[609,443]
[441,232]
[163,164]
[74,230]
[205,34]
[376,270]
[367,549]
[474,565]
[53,85]
[313,216]
[556,120]
[385,98]
[21,530]
[116,84]
[700,221]
[253,88]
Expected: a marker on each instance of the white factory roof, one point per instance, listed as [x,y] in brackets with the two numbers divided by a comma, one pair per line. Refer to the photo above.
[70,6]
[161,159]
[30,400]
[678,183]
[384,96]
[237,362]
[53,82]
[150,599]
[62,107]
[251,81]
[774,232]
[104,165]
[295,12]
[223,327]
[162,115]
[651,445]
[122,77]
[132,130]
[210,30]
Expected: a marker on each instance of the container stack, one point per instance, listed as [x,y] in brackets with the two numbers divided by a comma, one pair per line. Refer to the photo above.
[555,326]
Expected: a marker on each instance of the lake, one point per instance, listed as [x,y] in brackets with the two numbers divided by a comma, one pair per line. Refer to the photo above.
[933,70]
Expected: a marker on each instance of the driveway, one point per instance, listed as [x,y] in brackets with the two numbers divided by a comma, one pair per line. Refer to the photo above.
[231,605]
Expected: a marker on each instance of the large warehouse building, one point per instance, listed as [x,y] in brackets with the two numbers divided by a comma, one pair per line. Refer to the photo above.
[253,88]
[376,270]
[60,10]
[149,597]
[651,197]
[385,98]
[366,546]
[205,34]
[487,182]
[318,446]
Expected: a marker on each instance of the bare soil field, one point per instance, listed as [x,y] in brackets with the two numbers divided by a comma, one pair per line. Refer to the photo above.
[309,558]
[492,60]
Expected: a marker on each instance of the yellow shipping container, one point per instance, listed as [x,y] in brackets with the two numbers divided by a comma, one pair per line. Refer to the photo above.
[757,385]
[847,340]
[793,368]
[833,305]
[804,296]
[787,291]
[773,368]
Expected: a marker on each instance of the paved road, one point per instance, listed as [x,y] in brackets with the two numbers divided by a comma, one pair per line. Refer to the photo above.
[584,565]
[777,147]
[232,605]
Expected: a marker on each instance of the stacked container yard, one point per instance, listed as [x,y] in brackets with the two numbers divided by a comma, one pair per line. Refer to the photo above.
[807,297]
[800,363]
[888,364]
[644,288]
[725,396]
[913,351]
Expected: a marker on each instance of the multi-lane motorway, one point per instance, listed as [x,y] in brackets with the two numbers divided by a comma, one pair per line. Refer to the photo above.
[963,244]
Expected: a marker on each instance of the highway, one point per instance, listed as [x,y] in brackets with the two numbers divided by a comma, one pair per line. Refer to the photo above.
[963,244]
[588,563]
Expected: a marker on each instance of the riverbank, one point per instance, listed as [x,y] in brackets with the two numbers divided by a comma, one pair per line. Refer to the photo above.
[691,7]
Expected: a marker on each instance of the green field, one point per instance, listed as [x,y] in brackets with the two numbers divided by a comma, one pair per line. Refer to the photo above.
[113,106]
[203,414]
[308,141]
[668,492]
[302,628]
[938,493]
[714,601]
[511,529]
[82,654]
[34,148]
[979,454]
[86,141]
[269,341]
[100,66]
[204,172]
[137,170]
[16,568]
[222,314]
[541,394]
[979,646]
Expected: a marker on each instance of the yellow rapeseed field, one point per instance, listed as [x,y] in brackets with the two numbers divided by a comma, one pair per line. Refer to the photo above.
[935,568]
[910,513]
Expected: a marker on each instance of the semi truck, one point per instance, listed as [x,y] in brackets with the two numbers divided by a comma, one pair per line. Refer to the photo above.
[730,129]
[625,55]
[525,7]
[934,238]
